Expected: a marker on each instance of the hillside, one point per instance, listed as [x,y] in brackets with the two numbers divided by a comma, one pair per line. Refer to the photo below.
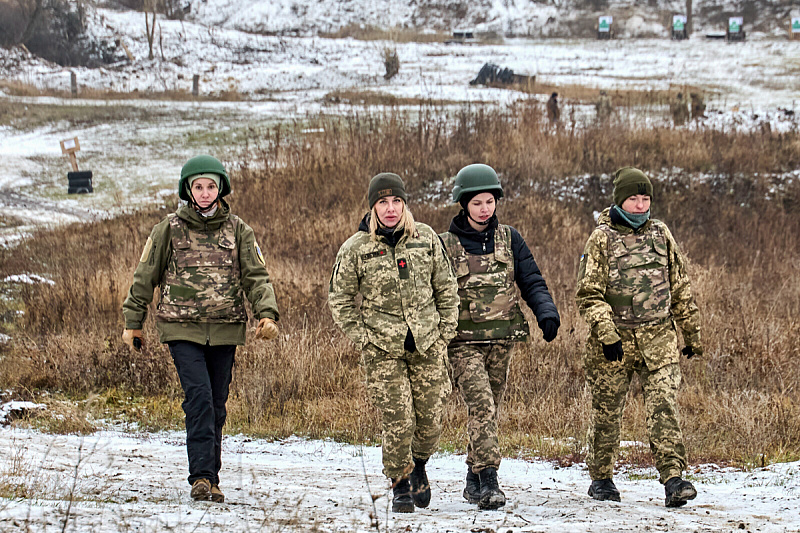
[551,18]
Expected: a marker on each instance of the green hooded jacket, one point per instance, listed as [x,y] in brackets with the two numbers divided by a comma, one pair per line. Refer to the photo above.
[152,267]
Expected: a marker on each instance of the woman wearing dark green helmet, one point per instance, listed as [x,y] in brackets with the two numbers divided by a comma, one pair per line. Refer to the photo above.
[493,265]
[204,260]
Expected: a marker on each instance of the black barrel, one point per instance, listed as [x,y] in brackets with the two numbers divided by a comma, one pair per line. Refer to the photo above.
[80,182]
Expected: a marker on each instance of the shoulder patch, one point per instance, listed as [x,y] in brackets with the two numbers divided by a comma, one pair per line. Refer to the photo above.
[259,255]
[146,252]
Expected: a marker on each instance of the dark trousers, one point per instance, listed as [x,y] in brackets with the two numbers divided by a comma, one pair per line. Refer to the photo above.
[205,373]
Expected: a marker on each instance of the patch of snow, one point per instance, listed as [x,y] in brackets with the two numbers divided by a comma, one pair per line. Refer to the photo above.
[126,482]
[30,279]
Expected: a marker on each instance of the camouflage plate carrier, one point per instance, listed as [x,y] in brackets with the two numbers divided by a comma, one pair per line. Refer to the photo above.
[638,276]
[489,308]
[202,281]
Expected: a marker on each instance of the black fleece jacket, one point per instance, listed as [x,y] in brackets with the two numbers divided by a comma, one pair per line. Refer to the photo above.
[528,277]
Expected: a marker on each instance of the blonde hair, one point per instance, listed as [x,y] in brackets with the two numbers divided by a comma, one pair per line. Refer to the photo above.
[406,222]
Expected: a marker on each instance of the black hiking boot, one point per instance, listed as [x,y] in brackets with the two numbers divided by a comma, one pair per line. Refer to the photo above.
[491,495]
[402,501]
[678,491]
[604,489]
[472,492]
[420,488]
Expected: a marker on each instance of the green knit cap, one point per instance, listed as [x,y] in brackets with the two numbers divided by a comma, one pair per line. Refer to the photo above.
[386,184]
[629,181]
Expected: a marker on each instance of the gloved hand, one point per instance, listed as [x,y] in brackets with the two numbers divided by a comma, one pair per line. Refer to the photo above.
[549,327]
[613,352]
[130,336]
[690,351]
[266,329]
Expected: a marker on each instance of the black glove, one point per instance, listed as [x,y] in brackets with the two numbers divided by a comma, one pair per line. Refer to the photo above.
[549,327]
[688,351]
[613,352]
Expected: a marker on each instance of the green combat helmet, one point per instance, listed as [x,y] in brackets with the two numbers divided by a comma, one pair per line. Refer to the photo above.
[201,164]
[476,178]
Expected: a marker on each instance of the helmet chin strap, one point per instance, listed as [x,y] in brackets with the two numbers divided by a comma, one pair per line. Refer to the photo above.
[478,222]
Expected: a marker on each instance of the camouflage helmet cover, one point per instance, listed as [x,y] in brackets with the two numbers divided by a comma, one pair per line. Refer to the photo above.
[475,179]
[201,164]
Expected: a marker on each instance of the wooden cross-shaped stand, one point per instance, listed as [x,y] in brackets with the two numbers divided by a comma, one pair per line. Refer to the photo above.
[69,147]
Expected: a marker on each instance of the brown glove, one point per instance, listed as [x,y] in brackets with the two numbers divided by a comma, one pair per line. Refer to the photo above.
[267,329]
[133,338]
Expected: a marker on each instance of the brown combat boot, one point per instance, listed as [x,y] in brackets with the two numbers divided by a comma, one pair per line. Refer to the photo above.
[201,490]
[216,494]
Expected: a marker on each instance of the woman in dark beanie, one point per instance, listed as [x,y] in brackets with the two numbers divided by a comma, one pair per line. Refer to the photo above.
[491,262]
[407,316]
[633,288]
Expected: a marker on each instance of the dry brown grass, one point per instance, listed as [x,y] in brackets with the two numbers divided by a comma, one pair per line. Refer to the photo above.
[373,33]
[304,194]
[16,88]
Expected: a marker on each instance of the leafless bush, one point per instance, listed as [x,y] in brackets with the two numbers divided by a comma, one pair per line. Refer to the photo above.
[391,62]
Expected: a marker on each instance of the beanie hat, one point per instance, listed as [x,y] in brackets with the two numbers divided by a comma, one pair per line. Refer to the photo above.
[207,175]
[629,181]
[386,184]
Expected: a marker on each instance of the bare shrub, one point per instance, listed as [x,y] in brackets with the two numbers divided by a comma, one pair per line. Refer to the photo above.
[391,62]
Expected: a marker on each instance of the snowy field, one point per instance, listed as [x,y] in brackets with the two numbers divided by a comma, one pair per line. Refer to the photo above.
[126,482]
[136,156]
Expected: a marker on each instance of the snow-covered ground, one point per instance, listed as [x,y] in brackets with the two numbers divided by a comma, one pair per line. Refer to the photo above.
[136,160]
[127,482]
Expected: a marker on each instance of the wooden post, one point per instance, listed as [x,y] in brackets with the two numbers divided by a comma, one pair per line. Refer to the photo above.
[69,147]
[196,85]
[73,83]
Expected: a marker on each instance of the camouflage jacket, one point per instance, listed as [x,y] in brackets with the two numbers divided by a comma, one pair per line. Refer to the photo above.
[406,287]
[489,303]
[633,278]
[158,257]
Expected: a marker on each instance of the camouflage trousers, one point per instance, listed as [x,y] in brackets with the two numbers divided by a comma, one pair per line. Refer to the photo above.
[409,389]
[480,372]
[609,382]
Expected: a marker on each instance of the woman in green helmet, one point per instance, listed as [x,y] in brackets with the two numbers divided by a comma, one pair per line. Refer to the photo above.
[205,261]
[493,266]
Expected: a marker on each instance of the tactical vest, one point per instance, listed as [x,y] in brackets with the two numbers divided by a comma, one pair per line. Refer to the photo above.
[202,281]
[489,308]
[638,289]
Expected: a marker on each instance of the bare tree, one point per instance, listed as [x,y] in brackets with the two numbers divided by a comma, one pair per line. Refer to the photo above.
[150,25]
[689,23]
[32,10]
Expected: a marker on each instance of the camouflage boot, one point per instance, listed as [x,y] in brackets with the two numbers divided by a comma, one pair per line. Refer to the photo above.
[604,489]
[401,491]
[420,488]
[491,495]
[472,492]
[201,490]
[216,494]
[678,491]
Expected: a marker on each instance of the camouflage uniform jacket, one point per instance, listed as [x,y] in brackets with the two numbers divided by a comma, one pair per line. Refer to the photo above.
[489,304]
[230,241]
[406,287]
[630,279]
